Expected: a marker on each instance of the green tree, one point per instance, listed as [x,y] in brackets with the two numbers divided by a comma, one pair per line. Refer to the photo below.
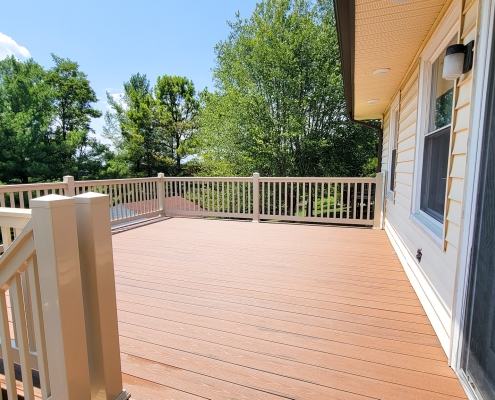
[74,110]
[152,129]
[26,113]
[178,113]
[279,106]
[134,127]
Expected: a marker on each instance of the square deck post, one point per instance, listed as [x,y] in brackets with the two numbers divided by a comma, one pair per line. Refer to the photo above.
[100,304]
[161,193]
[70,191]
[256,197]
[377,223]
[55,236]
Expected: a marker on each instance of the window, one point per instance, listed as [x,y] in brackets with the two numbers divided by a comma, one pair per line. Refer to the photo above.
[437,141]
[394,128]
[393,134]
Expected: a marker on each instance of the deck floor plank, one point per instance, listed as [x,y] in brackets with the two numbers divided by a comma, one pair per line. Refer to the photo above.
[237,310]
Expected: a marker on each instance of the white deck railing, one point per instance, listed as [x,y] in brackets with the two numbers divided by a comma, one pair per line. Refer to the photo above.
[61,298]
[355,201]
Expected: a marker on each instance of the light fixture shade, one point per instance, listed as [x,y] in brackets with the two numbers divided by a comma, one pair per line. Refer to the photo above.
[452,66]
[381,71]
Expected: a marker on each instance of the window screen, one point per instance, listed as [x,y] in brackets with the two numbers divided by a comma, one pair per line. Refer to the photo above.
[434,180]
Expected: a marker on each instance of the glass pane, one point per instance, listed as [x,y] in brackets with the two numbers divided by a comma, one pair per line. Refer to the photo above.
[442,94]
[392,170]
[434,179]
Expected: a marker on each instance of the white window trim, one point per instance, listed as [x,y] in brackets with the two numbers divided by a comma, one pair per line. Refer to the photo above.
[441,38]
[393,130]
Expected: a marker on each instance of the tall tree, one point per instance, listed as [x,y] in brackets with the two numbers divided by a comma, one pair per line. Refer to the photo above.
[153,129]
[73,102]
[279,107]
[135,128]
[178,112]
[26,112]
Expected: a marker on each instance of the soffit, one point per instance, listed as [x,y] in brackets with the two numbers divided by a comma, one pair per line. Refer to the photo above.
[387,35]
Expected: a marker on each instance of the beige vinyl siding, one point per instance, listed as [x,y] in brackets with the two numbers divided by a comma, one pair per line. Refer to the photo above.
[433,278]
[460,134]
[386,144]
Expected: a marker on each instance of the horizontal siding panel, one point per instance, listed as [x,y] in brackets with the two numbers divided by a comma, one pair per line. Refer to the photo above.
[451,257]
[452,235]
[433,263]
[470,17]
[455,210]
[460,142]
[407,121]
[407,167]
[406,179]
[409,108]
[404,190]
[464,93]
[462,118]
[411,87]
[407,132]
[458,166]
[456,189]
[406,155]
[406,144]
[404,201]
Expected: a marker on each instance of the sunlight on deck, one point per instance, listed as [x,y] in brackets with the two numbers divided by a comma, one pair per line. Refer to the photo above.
[222,309]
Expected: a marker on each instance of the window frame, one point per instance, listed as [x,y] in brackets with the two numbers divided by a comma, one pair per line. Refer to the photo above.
[444,34]
[393,138]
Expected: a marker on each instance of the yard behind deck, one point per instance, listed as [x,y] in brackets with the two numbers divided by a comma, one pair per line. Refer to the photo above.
[220,309]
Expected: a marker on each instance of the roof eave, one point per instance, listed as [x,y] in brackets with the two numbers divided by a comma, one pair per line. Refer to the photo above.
[345,17]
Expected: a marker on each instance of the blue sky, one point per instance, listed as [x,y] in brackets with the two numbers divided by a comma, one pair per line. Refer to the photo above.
[111,40]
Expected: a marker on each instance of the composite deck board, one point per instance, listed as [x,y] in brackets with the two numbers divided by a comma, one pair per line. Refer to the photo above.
[237,310]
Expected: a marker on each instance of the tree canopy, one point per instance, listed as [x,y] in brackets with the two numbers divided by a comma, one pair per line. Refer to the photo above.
[153,128]
[278,108]
[45,122]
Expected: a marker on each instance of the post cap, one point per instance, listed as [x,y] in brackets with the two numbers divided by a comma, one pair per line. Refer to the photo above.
[91,198]
[51,201]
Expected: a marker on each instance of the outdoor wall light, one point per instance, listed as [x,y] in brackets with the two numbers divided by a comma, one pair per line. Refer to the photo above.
[458,60]
[372,101]
[381,71]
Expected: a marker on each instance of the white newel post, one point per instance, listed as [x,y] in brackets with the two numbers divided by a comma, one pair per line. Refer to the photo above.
[161,193]
[377,223]
[256,197]
[55,236]
[100,305]
[69,180]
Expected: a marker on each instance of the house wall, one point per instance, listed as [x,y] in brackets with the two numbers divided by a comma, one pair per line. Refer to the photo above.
[434,278]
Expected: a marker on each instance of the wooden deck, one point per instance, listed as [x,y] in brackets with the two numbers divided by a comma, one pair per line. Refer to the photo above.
[212,309]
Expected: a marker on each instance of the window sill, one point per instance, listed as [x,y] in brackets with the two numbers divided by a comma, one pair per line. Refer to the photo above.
[432,228]
[391,196]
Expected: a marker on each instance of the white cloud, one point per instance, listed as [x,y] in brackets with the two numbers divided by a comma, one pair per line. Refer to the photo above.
[9,47]
[116,97]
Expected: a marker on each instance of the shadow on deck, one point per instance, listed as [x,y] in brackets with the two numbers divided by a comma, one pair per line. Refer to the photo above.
[212,309]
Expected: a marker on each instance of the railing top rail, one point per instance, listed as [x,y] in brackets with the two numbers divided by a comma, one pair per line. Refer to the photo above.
[24,213]
[209,178]
[112,181]
[32,186]
[316,179]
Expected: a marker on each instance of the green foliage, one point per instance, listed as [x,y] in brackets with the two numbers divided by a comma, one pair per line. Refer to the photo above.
[178,114]
[45,122]
[26,112]
[279,106]
[153,129]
